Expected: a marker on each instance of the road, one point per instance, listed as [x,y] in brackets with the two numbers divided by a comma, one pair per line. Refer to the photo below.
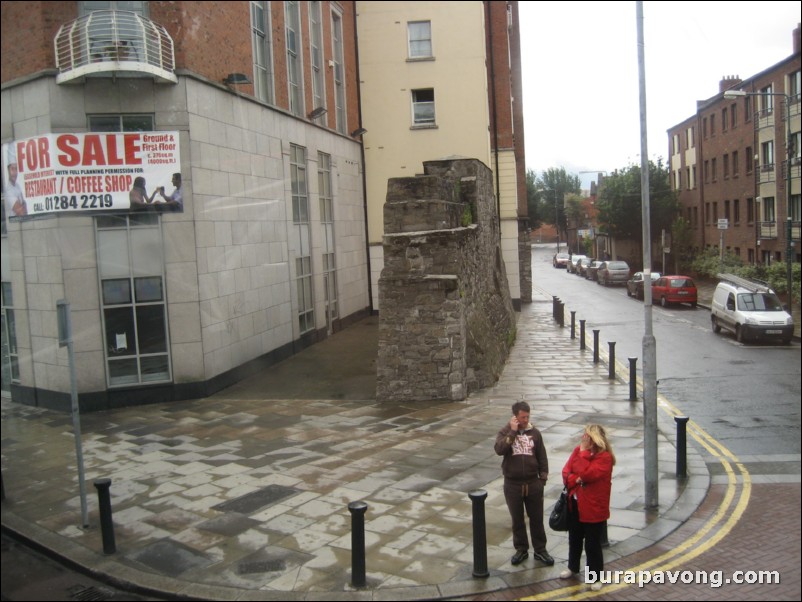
[746,396]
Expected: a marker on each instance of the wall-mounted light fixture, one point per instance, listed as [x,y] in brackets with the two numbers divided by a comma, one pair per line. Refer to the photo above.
[318,112]
[233,79]
[358,132]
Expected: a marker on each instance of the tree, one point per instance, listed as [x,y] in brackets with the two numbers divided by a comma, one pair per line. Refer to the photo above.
[681,245]
[552,188]
[533,205]
[619,202]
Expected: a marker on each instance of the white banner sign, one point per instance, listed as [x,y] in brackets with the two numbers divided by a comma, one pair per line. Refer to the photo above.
[64,173]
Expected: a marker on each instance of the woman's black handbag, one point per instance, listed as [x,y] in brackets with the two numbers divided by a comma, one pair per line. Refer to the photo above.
[558,519]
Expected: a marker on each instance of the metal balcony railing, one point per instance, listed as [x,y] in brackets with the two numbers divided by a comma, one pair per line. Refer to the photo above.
[113,42]
[767,230]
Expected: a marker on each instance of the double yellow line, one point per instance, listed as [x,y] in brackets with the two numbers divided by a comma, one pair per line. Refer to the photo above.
[725,518]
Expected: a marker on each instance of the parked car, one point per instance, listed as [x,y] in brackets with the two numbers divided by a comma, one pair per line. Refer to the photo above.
[573,265]
[612,272]
[582,266]
[592,270]
[561,260]
[751,310]
[674,289]
[635,284]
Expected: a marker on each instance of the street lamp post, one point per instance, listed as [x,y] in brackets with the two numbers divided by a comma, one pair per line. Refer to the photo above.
[789,248]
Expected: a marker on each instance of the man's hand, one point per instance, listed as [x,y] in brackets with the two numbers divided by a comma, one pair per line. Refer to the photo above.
[514,423]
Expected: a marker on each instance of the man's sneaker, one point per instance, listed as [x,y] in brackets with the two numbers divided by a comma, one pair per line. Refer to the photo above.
[543,557]
[596,586]
[520,556]
[567,574]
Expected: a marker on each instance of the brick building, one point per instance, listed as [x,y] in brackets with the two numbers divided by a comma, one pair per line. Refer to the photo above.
[738,158]
[263,248]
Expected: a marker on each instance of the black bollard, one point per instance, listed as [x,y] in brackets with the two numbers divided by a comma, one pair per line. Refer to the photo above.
[633,377]
[561,314]
[582,335]
[555,301]
[573,325]
[106,524]
[479,535]
[596,346]
[682,463]
[357,510]
[611,367]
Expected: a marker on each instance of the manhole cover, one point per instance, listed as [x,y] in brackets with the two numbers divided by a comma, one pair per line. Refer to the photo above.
[262,566]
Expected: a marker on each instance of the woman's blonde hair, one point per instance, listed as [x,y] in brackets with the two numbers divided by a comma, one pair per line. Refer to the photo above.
[598,435]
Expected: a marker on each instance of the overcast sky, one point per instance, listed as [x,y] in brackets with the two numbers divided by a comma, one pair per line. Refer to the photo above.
[580,72]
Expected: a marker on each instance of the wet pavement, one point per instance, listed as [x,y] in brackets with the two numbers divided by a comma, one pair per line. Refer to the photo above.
[244,495]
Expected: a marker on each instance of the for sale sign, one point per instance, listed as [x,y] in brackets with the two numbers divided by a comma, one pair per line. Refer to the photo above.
[77,173]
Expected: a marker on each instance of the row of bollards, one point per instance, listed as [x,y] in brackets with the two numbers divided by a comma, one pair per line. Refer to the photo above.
[681,421]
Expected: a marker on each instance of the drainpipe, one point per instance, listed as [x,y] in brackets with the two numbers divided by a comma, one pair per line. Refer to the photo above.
[489,23]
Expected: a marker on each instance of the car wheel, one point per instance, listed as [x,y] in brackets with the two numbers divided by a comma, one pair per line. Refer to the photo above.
[739,334]
[693,305]
[714,324]
[663,302]
[787,341]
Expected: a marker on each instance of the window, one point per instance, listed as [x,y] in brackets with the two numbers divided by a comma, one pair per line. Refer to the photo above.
[704,127]
[734,115]
[420,39]
[707,213]
[747,108]
[769,212]
[693,174]
[750,159]
[767,156]
[707,171]
[327,227]
[292,15]
[727,210]
[714,168]
[712,125]
[736,211]
[120,123]
[795,208]
[316,50]
[794,86]
[688,177]
[689,142]
[726,166]
[715,211]
[767,100]
[750,211]
[131,273]
[675,144]
[423,107]
[725,119]
[301,242]
[10,359]
[735,167]
[795,149]
[339,72]
[262,48]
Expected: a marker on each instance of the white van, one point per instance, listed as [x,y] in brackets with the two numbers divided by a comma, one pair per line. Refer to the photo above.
[750,310]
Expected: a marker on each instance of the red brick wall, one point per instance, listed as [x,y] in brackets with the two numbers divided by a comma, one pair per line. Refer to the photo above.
[28,30]
[499,79]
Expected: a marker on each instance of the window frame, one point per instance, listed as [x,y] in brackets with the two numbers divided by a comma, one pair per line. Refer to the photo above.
[423,122]
[414,41]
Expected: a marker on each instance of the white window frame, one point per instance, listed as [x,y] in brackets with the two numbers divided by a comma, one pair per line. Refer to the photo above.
[420,106]
[302,242]
[316,54]
[419,40]
[338,58]
[294,43]
[262,50]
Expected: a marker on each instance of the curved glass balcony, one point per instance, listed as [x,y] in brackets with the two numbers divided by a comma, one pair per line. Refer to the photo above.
[114,42]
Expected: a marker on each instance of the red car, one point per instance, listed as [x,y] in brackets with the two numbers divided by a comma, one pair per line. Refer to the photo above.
[674,289]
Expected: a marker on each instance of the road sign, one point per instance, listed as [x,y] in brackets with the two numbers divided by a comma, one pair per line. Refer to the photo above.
[723,223]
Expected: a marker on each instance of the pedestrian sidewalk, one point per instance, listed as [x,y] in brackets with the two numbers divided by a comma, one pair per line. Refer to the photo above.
[243,496]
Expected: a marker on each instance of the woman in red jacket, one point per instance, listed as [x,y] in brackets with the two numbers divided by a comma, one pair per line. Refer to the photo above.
[588,477]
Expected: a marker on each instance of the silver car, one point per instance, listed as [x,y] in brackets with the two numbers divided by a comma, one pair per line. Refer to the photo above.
[613,272]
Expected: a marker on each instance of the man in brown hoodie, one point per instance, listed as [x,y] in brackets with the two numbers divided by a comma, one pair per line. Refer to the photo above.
[525,467]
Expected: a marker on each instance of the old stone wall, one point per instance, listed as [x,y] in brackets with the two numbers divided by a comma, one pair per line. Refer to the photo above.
[446,321]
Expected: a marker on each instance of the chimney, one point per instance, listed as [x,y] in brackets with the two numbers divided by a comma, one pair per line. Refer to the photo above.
[797,43]
[727,82]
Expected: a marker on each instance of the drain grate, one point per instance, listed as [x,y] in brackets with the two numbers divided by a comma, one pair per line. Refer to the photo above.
[263,566]
[83,592]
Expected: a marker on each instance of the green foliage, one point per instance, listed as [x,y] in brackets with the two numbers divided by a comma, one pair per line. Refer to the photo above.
[532,201]
[467,216]
[707,265]
[546,196]
[681,245]
[619,202]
